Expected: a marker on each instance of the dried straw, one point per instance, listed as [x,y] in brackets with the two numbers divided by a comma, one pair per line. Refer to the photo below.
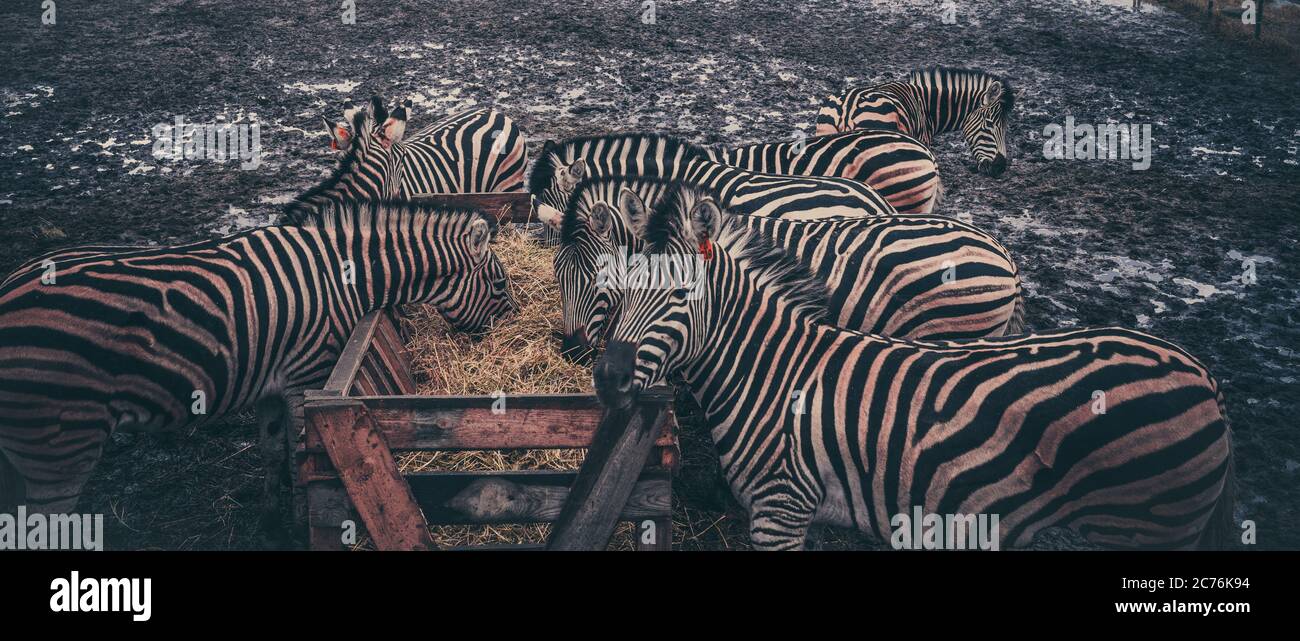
[519,355]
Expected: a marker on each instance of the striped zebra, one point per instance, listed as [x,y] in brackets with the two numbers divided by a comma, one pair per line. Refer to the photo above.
[1114,434]
[562,166]
[170,338]
[907,276]
[929,103]
[896,165]
[479,150]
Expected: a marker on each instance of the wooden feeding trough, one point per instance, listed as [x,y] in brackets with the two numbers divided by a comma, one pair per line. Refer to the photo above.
[347,475]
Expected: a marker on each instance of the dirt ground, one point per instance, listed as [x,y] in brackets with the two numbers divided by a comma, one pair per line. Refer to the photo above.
[1164,250]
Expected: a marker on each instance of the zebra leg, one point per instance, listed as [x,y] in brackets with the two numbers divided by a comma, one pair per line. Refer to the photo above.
[293,434]
[778,520]
[271,413]
[48,471]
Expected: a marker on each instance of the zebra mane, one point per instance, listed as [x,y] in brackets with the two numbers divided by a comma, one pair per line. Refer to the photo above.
[600,188]
[552,157]
[766,261]
[1008,94]
[368,213]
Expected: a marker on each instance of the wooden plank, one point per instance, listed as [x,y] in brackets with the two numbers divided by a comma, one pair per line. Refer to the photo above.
[365,464]
[391,349]
[328,508]
[354,351]
[535,421]
[615,459]
[506,206]
[531,496]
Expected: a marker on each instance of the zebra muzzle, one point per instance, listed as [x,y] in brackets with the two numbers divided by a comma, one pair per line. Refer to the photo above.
[613,374]
[575,348]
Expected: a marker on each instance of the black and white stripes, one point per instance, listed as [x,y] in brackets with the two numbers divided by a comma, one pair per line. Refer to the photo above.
[1112,433]
[170,337]
[929,103]
[894,164]
[917,276]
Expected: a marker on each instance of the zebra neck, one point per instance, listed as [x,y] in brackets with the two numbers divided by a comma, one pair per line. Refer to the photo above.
[942,109]
[715,175]
[752,361]
[369,273]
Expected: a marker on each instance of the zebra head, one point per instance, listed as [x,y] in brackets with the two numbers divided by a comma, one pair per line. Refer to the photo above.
[594,239]
[340,132]
[370,169]
[472,290]
[985,128]
[660,325]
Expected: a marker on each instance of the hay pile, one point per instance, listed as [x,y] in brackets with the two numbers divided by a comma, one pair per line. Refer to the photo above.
[519,355]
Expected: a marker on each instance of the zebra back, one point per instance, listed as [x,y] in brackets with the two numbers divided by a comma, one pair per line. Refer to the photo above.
[561,167]
[480,150]
[901,169]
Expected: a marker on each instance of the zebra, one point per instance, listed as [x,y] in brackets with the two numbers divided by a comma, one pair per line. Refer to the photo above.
[171,338]
[908,276]
[479,150]
[562,166]
[931,102]
[1115,434]
[896,165]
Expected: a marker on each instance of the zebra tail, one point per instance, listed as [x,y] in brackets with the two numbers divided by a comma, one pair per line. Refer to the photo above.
[13,491]
[1016,324]
[937,199]
[1221,529]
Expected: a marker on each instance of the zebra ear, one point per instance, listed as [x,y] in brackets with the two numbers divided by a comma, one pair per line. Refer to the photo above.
[340,138]
[394,128]
[706,221]
[634,208]
[993,93]
[377,110]
[602,219]
[480,234]
[573,174]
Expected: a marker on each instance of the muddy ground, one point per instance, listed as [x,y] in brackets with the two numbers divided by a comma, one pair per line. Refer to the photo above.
[1163,250]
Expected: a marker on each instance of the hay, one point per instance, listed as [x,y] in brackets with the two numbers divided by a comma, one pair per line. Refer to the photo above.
[519,355]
